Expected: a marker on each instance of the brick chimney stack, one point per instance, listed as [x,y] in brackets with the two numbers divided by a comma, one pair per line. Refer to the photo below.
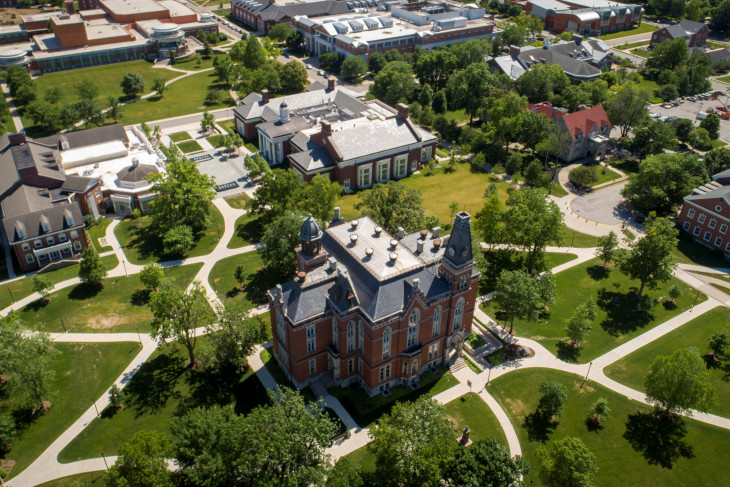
[326,128]
[331,81]
[265,97]
[17,139]
[402,110]
[70,7]
[514,51]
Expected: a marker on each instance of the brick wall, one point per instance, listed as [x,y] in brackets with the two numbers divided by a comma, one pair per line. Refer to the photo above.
[706,224]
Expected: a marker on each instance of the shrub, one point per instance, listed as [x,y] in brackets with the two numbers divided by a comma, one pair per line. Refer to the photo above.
[583,176]
[136,213]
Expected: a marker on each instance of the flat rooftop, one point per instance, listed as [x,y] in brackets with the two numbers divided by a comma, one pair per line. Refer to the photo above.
[131,7]
[46,40]
[176,9]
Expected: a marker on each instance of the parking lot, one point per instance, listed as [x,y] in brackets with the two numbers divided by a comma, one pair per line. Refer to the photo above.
[690,109]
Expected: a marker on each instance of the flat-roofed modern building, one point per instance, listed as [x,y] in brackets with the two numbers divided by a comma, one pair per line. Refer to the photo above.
[584,17]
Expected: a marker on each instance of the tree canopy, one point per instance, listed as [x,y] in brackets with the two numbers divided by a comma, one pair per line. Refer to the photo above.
[393,205]
[567,463]
[485,463]
[280,239]
[141,461]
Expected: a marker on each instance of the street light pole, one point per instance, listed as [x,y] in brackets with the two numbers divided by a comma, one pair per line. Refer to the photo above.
[589,371]
[97,409]
[13,300]
[489,375]
[139,337]
[695,301]
[63,324]
[124,263]
[105,464]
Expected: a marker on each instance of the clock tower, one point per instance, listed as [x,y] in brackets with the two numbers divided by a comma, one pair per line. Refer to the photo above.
[457,263]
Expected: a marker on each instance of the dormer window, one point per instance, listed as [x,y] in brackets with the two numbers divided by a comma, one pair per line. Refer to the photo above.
[69,218]
[45,224]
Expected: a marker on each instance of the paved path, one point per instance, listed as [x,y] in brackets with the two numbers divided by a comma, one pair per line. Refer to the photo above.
[13,109]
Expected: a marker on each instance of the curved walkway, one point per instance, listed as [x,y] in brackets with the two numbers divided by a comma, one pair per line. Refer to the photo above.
[46,467]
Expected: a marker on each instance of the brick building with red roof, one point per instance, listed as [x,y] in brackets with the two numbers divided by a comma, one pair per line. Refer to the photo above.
[589,129]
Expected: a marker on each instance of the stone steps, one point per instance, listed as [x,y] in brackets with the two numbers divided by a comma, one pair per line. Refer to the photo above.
[458,365]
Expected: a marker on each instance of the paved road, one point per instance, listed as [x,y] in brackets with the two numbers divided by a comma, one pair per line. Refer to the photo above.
[602,206]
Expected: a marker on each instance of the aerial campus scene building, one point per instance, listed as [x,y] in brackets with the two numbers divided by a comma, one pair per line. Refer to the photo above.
[364,243]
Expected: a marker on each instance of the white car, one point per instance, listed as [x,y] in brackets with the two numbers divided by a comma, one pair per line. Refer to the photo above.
[308,66]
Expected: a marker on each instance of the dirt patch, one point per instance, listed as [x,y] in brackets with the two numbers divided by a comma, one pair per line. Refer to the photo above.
[583,390]
[517,407]
[7,465]
[104,322]
[6,14]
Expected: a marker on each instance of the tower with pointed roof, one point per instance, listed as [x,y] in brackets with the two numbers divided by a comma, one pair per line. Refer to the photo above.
[310,253]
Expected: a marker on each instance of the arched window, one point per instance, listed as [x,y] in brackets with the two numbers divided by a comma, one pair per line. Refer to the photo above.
[405,367]
[436,321]
[386,342]
[413,328]
[334,331]
[280,330]
[361,335]
[459,314]
[351,336]
[414,367]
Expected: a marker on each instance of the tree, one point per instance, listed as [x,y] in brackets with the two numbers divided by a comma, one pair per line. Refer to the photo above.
[470,87]
[567,463]
[178,240]
[146,130]
[345,474]
[151,276]
[43,113]
[8,431]
[353,67]
[535,126]
[183,196]
[535,174]
[489,224]
[626,107]
[279,190]
[27,359]
[412,443]
[720,21]
[514,35]
[92,270]
[225,71]
[682,128]
[213,97]
[234,337]
[293,76]
[583,176]
[517,295]
[376,62]
[674,292]
[718,343]
[331,61]
[207,50]
[116,397]
[573,97]
[141,461]
[663,181]
[485,463]
[43,286]
[580,321]
[652,137]
[294,39]
[132,85]
[177,313]
[280,239]
[717,160]
[53,95]
[115,109]
[505,118]
[532,222]
[711,123]
[320,196]
[680,382]
[668,54]
[393,205]
[251,166]
[552,399]
[87,90]
[280,32]
[541,81]
[207,123]
[700,139]
[607,248]
[425,97]
[650,258]
[395,83]
[439,103]
[254,56]
[240,275]
[598,413]
[435,67]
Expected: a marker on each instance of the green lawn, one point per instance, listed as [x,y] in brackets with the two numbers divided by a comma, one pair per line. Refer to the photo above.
[557,190]
[457,115]
[633,45]
[365,410]
[626,166]
[142,247]
[724,79]
[605,174]
[554,259]
[640,52]
[225,285]
[98,231]
[723,277]
[229,126]
[716,144]
[619,463]
[180,136]
[649,86]
[440,190]
[91,479]
[21,288]
[223,12]
[164,388]
[121,305]
[641,29]
[181,98]
[189,146]
[468,410]
[217,140]
[197,62]
[632,370]
[617,319]
[83,372]
[579,240]
[690,252]
[249,230]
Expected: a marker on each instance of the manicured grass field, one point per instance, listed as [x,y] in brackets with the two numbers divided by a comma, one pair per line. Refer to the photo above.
[121,305]
[83,372]
[617,319]
[642,29]
[633,45]
[279,376]
[724,79]
[632,370]
[225,285]
[141,247]
[180,136]
[608,175]
[217,140]
[189,146]
[91,479]
[579,240]
[554,259]
[694,253]
[164,388]
[229,126]
[640,52]
[21,288]
[468,410]
[98,231]
[716,144]
[626,166]
[440,190]
[191,63]
[619,463]
[457,115]
[239,201]
[366,410]
[181,98]
[249,230]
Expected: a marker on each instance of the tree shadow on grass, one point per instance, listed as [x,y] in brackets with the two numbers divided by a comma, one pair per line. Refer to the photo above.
[84,291]
[212,387]
[538,426]
[37,305]
[140,297]
[261,282]
[154,384]
[598,272]
[624,313]
[252,230]
[659,438]
[567,352]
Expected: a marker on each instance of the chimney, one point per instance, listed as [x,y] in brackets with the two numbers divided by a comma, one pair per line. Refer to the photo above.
[402,110]
[283,113]
[416,283]
[332,263]
[401,232]
[326,128]
[435,232]
[419,247]
[17,139]
[577,38]
[337,214]
[514,51]
[265,97]
[331,83]
[135,162]
[70,7]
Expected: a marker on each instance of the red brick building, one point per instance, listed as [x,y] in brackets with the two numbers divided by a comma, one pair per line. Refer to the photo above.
[371,310]
[695,33]
[584,17]
[705,214]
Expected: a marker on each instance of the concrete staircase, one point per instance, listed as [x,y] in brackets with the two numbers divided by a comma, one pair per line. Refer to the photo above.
[458,365]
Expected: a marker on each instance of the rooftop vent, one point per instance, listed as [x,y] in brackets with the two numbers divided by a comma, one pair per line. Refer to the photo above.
[354,223]
[393,243]
[393,256]
[419,247]
[436,231]
[424,233]
[378,231]
[369,251]
[437,243]
[401,232]
[333,264]
[353,239]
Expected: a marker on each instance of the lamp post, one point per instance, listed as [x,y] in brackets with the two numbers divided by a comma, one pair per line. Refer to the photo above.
[695,301]
[13,300]
[105,464]
[124,263]
[97,409]
[589,371]
[139,337]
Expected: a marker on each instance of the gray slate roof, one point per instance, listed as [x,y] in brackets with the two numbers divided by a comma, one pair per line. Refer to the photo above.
[676,31]
[78,184]
[719,55]
[277,129]
[377,136]
[93,136]
[32,221]
[251,107]
[721,192]
[8,171]
[690,26]
[135,174]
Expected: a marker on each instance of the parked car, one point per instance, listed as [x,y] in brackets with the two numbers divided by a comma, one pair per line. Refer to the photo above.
[692,98]
[308,66]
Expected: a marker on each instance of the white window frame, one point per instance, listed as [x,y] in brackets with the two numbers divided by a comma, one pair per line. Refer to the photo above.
[280,329]
[29,258]
[312,366]
[50,240]
[405,368]
[702,218]
[383,171]
[426,154]
[691,213]
[38,243]
[365,176]
[25,247]
[414,367]
[350,367]
[387,339]
[713,223]
[413,320]
[723,229]
[334,332]
[74,234]
[696,232]
[436,329]
[400,166]
[351,336]
[686,226]
[384,373]
[718,242]
[727,247]
[707,236]
[61,237]
[311,339]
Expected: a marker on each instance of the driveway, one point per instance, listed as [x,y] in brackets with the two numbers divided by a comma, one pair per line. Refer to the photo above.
[602,206]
